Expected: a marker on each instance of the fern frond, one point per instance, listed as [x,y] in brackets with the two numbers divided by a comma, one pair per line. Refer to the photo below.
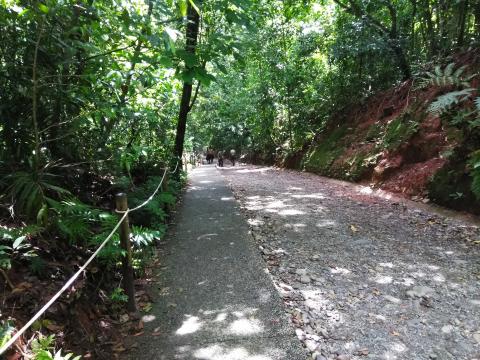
[477,104]
[444,102]
[449,70]
[445,77]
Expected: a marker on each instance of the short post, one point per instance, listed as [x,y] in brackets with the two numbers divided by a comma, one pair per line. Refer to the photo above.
[127,269]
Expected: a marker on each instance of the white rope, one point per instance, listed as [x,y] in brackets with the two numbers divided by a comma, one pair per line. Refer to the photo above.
[82,268]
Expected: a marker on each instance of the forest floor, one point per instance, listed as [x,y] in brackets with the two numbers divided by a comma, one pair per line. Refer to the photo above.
[364,274]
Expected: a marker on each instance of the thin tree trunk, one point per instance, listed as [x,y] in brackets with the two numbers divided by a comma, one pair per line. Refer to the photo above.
[193,18]
[462,17]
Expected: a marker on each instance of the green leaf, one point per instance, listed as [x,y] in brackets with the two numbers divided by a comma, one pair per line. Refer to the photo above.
[18,241]
[182,6]
[43,8]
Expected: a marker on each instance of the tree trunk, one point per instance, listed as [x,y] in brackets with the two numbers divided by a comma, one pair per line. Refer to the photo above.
[462,17]
[191,44]
[402,61]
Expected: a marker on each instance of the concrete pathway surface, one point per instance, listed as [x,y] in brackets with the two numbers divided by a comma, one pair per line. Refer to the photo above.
[214,299]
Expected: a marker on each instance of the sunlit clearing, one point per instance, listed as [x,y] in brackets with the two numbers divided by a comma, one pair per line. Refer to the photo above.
[189,326]
[289,212]
[245,327]
[217,352]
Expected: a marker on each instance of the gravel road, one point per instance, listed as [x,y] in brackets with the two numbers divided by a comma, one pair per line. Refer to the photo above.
[363,276]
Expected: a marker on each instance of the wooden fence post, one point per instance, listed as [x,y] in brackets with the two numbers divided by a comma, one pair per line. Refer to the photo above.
[127,269]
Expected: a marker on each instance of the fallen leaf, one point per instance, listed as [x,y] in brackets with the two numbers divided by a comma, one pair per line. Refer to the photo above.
[353,228]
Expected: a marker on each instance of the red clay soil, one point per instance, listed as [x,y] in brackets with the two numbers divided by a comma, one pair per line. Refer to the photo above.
[408,169]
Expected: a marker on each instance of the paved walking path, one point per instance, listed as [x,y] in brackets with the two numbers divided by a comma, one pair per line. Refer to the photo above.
[214,299]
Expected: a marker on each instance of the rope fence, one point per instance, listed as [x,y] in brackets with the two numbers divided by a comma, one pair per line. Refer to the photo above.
[124,213]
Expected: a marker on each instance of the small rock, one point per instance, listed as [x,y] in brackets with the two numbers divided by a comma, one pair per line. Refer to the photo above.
[476,337]
[304,279]
[447,329]
[311,345]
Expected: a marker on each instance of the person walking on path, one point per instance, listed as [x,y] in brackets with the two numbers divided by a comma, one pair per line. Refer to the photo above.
[220,158]
[232,156]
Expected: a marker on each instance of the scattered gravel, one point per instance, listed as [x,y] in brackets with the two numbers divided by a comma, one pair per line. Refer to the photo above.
[364,277]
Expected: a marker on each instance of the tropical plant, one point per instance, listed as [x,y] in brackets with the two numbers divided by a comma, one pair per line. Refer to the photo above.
[446,77]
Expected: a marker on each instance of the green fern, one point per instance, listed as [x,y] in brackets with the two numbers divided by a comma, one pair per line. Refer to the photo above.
[446,77]
[477,104]
[30,191]
[446,101]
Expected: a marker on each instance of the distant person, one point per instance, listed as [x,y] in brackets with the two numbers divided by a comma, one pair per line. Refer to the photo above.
[210,156]
[220,158]
[232,156]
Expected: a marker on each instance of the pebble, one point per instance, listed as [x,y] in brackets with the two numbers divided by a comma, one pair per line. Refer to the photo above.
[476,337]
[304,279]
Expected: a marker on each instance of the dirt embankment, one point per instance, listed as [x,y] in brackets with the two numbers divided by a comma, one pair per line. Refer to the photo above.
[394,143]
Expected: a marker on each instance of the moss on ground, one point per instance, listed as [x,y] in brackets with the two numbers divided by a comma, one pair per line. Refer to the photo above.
[321,156]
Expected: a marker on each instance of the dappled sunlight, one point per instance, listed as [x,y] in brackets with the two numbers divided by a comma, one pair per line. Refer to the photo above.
[340,271]
[319,196]
[278,204]
[245,326]
[325,223]
[383,279]
[190,325]
[148,318]
[222,352]
[291,212]
[255,222]
[257,170]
